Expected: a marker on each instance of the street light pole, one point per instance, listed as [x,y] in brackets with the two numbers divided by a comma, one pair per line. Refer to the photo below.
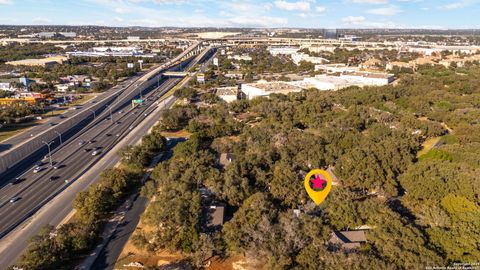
[49,152]
[59,135]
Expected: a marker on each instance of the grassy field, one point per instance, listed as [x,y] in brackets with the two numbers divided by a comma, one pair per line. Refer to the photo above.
[428,145]
[84,99]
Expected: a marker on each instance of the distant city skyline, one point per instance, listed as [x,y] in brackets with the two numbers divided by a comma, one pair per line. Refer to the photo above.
[429,14]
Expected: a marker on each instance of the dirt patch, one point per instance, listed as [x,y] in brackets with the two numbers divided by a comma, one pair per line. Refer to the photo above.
[177,134]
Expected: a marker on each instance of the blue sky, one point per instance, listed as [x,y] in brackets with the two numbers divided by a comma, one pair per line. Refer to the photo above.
[436,14]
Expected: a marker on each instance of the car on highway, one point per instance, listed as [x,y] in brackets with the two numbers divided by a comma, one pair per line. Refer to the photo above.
[17,180]
[52,124]
[61,116]
[58,166]
[53,178]
[120,112]
[81,142]
[108,134]
[87,150]
[14,199]
[96,152]
[118,135]
[92,141]
[37,169]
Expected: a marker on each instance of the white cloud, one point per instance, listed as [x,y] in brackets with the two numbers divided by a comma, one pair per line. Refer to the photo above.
[353,19]
[370,1]
[121,10]
[320,8]
[41,20]
[457,4]
[385,11]
[5,2]
[361,22]
[299,5]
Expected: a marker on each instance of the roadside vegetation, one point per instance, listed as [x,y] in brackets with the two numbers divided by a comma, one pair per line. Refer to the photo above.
[65,246]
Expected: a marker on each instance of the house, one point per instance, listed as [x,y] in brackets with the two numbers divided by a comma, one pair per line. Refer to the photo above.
[348,240]
[62,87]
[228,94]
[76,81]
[212,216]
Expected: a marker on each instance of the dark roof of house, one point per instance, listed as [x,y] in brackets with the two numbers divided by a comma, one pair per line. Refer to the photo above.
[216,213]
[348,237]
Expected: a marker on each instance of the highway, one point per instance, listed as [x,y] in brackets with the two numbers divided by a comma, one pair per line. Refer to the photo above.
[31,132]
[73,159]
[55,211]
[23,216]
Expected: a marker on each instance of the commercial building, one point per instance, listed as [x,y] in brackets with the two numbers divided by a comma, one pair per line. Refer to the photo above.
[360,79]
[283,50]
[201,78]
[324,82]
[14,84]
[349,38]
[264,88]
[133,38]
[68,34]
[369,78]
[111,51]
[299,57]
[46,34]
[335,68]
[45,62]
[228,94]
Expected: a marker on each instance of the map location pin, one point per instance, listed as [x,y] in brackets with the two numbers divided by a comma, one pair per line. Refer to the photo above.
[318,184]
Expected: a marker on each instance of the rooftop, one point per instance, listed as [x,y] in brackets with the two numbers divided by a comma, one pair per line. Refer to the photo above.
[275,86]
[227,91]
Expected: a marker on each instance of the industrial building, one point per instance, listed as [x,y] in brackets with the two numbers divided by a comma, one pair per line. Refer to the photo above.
[264,88]
[335,68]
[228,94]
[360,79]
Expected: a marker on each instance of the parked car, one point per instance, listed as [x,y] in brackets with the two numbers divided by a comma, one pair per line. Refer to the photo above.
[37,169]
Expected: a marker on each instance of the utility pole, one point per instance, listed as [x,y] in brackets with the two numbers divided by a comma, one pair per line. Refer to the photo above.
[49,152]
[59,135]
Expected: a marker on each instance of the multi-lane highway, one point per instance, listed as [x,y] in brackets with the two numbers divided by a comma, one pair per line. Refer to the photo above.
[25,197]
[70,161]
[24,136]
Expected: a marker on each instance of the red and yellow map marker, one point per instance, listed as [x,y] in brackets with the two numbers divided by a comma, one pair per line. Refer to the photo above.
[318,184]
